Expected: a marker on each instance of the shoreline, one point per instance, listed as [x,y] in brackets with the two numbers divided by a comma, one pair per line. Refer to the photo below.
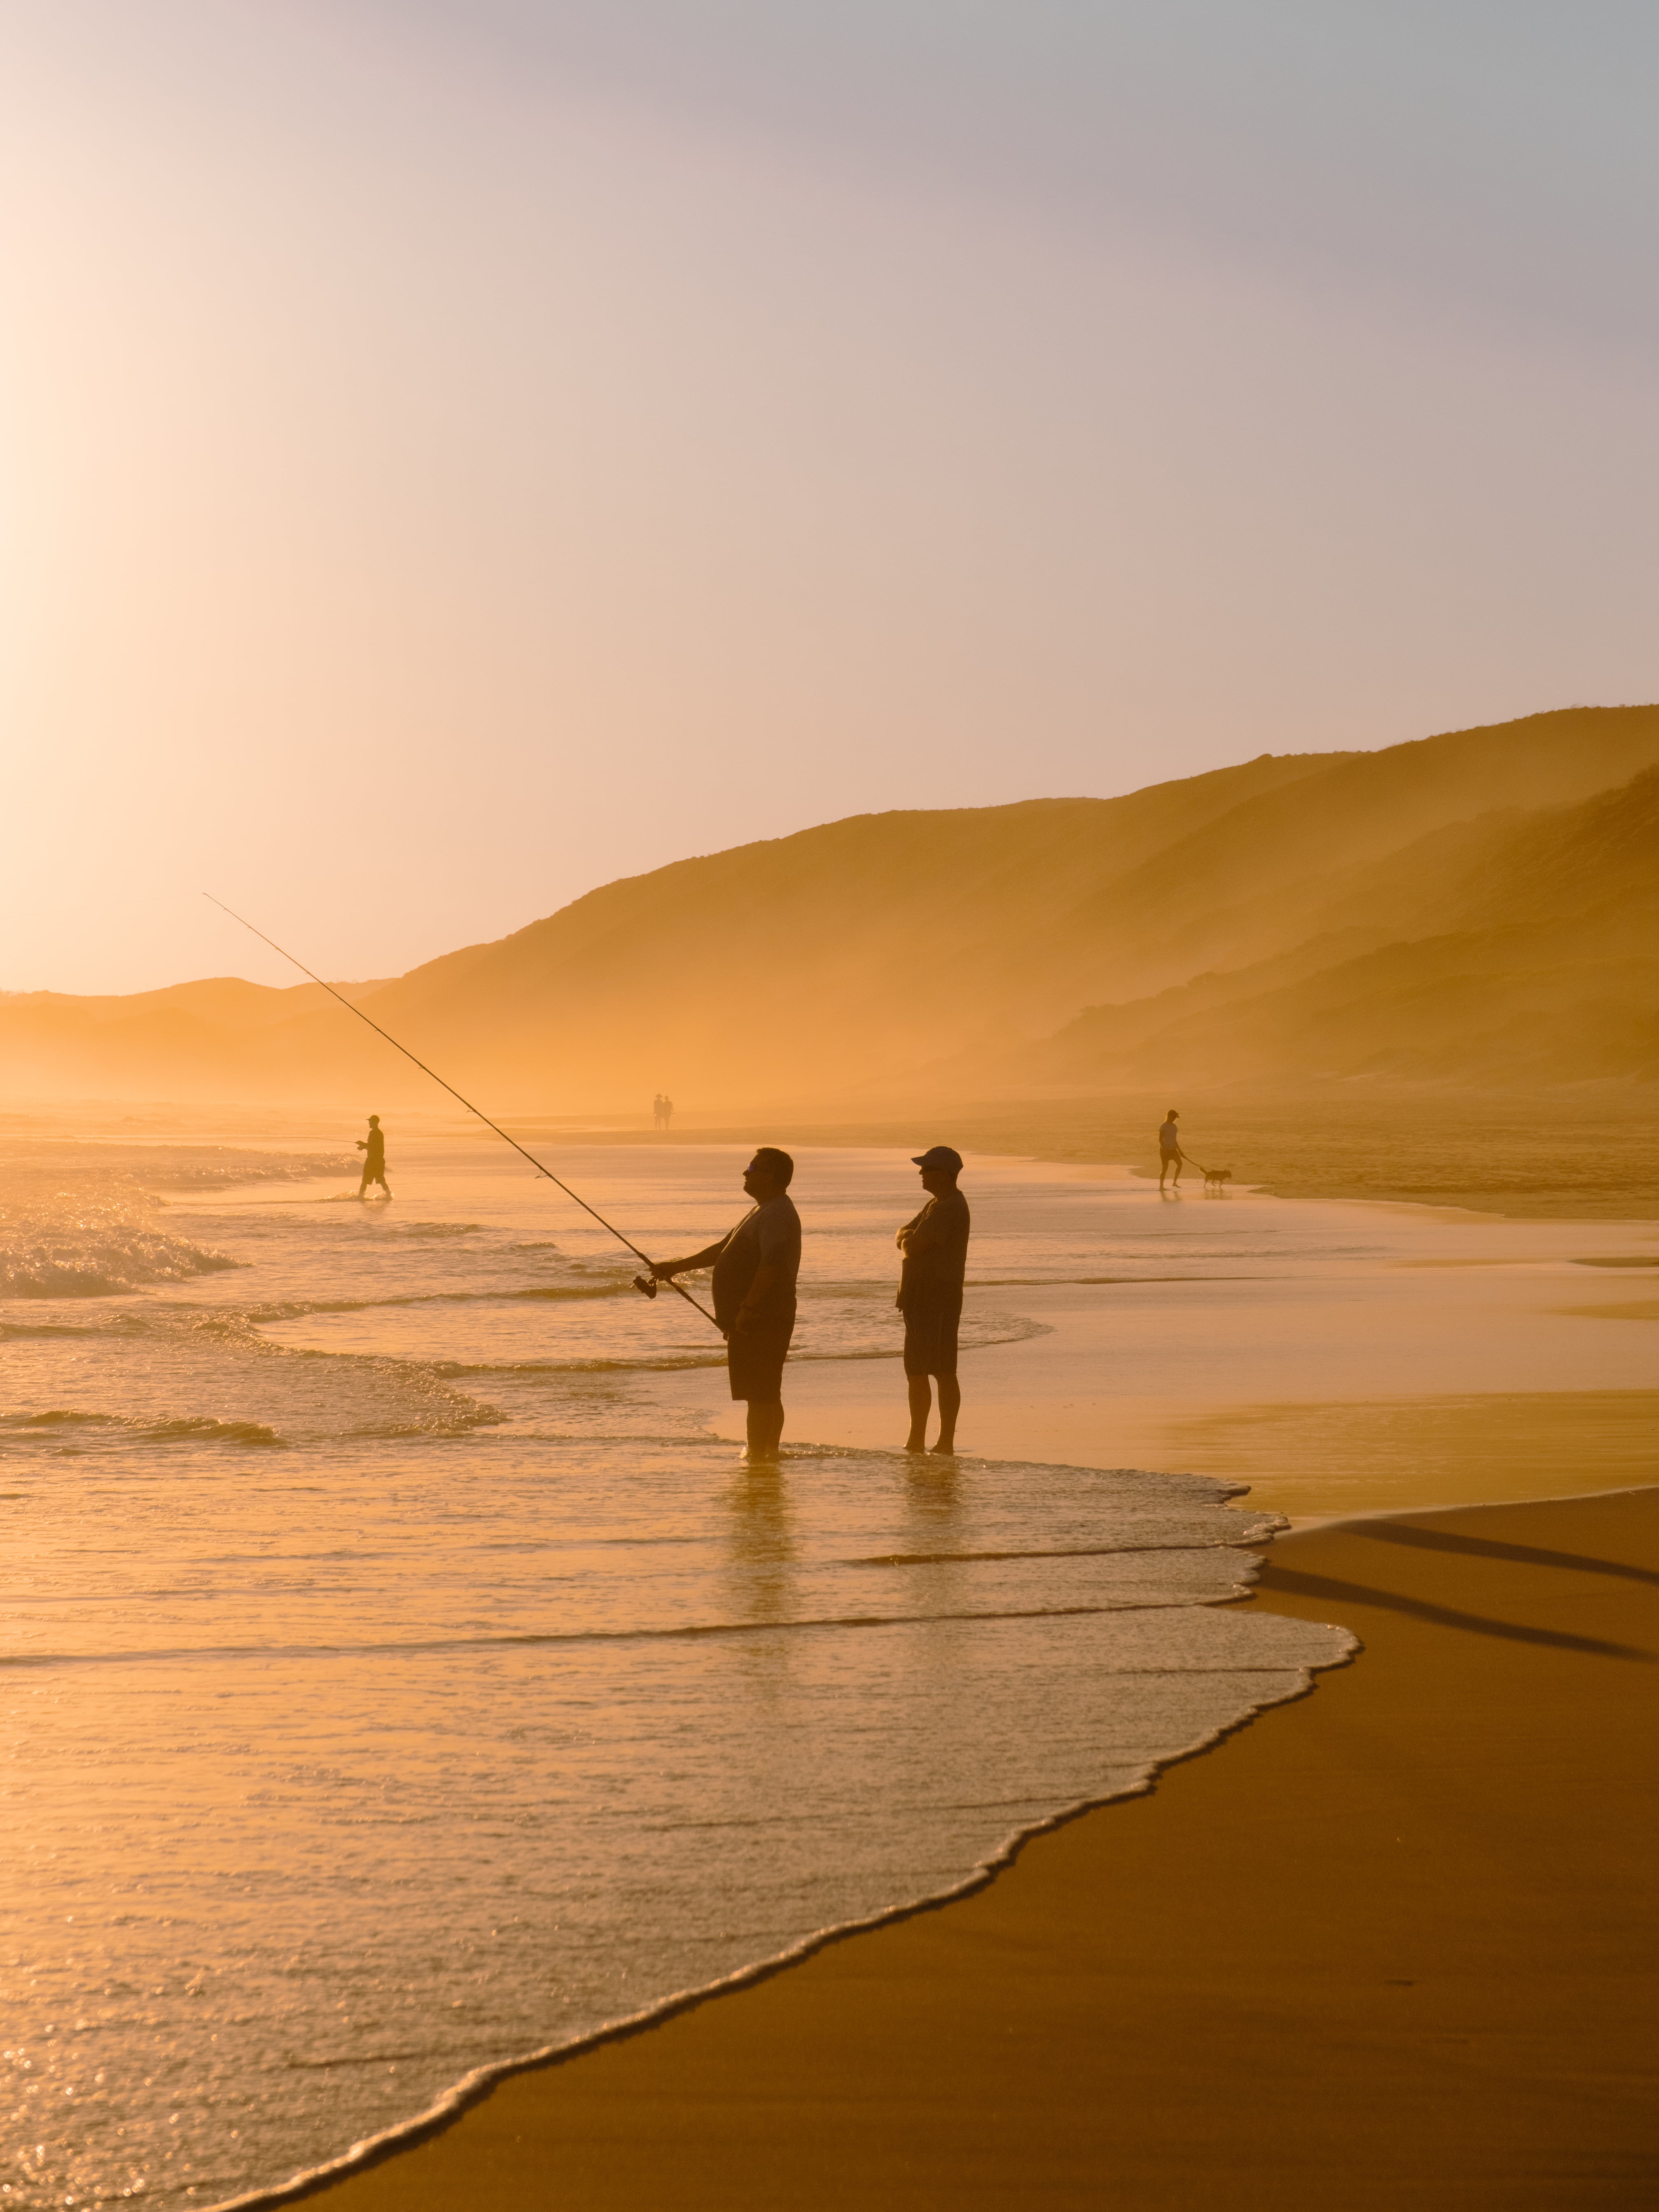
[1500,1154]
[743,2067]
[1091,1339]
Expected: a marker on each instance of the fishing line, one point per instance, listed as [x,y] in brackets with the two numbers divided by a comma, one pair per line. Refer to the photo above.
[648,1285]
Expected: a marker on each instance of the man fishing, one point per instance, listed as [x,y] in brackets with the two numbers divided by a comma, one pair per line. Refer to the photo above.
[373,1147]
[755,1266]
[935,1248]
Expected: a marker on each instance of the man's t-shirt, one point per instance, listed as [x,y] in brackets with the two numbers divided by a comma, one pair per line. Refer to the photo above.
[770,1234]
[1169,1137]
[375,1152]
[935,1248]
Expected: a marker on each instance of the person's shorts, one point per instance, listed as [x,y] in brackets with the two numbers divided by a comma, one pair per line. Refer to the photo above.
[1169,1159]
[755,1358]
[929,1340]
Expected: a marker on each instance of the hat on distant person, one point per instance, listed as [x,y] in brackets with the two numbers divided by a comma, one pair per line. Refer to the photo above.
[939,1156]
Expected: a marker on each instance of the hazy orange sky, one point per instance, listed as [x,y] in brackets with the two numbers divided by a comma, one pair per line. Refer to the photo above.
[458,454]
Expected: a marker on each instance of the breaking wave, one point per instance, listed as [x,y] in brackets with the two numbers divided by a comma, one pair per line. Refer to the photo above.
[95,1254]
[229,1169]
[185,1429]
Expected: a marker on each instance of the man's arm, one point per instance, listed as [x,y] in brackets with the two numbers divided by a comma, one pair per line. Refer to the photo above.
[662,1269]
[914,1236]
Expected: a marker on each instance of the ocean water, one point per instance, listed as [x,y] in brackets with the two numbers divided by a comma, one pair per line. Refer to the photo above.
[401,1678]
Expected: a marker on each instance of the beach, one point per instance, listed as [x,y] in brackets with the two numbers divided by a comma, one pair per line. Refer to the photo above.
[1394,1944]
[642,634]
[408,1684]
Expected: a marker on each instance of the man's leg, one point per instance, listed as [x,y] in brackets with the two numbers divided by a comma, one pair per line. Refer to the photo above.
[765,1427]
[921,1405]
[950,1405]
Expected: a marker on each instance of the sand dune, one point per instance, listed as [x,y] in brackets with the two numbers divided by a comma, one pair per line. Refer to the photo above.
[1474,905]
[1527,953]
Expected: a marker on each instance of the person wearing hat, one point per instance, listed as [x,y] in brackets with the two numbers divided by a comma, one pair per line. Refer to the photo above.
[373,1147]
[754,1266]
[935,1248]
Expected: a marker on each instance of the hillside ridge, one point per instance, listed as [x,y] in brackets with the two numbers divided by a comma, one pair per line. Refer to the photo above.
[1469,906]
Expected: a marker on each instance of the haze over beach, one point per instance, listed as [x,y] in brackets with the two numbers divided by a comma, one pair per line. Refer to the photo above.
[1364,917]
[829,612]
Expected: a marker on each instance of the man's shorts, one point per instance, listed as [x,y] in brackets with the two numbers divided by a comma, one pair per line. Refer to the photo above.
[755,1358]
[929,1340]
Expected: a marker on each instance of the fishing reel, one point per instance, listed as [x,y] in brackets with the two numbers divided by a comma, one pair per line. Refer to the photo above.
[646,1286]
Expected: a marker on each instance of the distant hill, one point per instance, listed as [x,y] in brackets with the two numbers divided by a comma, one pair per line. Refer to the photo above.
[187,1041]
[1471,906]
[1532,956]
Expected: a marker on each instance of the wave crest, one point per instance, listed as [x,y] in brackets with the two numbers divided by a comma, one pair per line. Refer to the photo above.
[184,1429]
[97,1256]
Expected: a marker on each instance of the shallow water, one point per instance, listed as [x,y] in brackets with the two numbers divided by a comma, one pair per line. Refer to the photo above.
[402,1679]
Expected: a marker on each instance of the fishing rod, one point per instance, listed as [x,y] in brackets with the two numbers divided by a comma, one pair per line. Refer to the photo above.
[647,1284]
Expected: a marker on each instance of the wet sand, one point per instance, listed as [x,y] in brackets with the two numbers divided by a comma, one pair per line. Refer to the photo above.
[1338,1357]
[1393,1945]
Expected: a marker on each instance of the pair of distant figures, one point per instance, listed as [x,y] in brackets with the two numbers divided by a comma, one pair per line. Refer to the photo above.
[756,1265]
[662,1111]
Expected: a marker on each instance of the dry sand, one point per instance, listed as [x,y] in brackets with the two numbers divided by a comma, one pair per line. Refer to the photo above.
[1393,1946]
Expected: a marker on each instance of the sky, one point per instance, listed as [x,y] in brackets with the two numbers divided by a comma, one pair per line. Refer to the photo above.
[456,453]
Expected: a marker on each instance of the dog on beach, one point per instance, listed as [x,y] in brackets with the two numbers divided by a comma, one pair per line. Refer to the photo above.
[1214,1177]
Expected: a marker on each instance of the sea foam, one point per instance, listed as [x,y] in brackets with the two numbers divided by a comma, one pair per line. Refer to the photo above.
[95,1239]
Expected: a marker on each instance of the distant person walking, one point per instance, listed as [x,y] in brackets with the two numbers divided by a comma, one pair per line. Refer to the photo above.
[656,1112]
[755,1266]
[1170,1154]
[373,1147]
[935,1248]
[667,1109]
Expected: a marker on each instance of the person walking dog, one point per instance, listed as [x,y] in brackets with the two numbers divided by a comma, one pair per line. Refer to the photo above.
[1170,1154]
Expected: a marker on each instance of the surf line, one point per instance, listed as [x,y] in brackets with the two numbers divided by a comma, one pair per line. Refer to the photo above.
[646,1284]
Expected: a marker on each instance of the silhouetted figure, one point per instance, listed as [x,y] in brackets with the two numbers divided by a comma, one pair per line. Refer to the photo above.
[668,1111]
[657,1121]
[935,1248]
[1170,1154]
[755,1270]
[373,1147]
